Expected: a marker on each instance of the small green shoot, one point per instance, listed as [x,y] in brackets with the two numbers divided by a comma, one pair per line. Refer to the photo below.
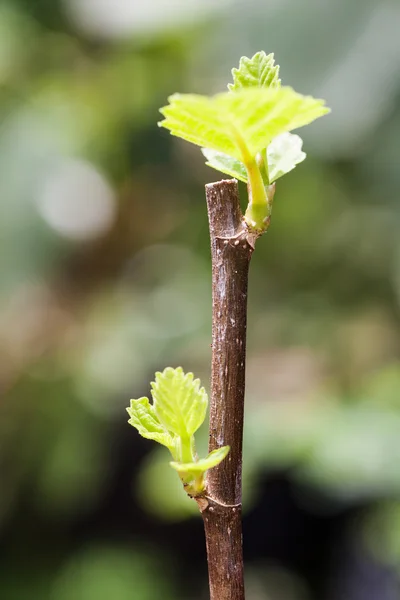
[178,410]
[245,132]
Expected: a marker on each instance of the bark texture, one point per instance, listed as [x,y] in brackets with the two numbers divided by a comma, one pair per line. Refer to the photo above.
[231,250]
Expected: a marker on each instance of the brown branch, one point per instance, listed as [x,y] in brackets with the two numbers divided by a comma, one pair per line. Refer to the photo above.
[231,249]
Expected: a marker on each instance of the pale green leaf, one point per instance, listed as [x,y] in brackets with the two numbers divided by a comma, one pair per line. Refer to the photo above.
[226,164]
[144,419]
[239,123]
[283,154]
[179,401]
[200,120]
[258,71]
[202,465]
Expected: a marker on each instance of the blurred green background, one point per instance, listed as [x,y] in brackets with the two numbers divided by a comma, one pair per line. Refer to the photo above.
[105,278]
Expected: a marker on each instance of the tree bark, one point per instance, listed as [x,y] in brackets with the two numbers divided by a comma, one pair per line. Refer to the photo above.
[231,249]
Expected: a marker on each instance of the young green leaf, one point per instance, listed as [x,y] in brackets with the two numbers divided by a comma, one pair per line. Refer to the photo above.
[226,164]
[239,124]
[144,419]
[258,71]
[201,466]
[179,401]
[283,154]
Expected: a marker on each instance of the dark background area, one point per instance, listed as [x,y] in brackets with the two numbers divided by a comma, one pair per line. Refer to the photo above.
[105,278]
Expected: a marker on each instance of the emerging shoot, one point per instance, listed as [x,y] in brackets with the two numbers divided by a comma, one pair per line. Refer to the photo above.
[178,410]
[245,132]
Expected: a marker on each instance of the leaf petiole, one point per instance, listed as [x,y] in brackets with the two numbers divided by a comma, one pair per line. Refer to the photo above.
[262,162]
[258,209]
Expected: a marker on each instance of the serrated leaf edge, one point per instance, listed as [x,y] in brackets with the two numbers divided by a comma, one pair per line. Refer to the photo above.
[268,66]
[162,436]
[184,425]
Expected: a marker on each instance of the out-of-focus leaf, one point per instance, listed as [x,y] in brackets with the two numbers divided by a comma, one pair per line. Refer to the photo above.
[385,519]
[283,154]
[99,572]
[159,490]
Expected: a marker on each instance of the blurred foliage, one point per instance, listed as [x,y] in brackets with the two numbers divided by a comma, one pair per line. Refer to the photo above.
[105,278]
